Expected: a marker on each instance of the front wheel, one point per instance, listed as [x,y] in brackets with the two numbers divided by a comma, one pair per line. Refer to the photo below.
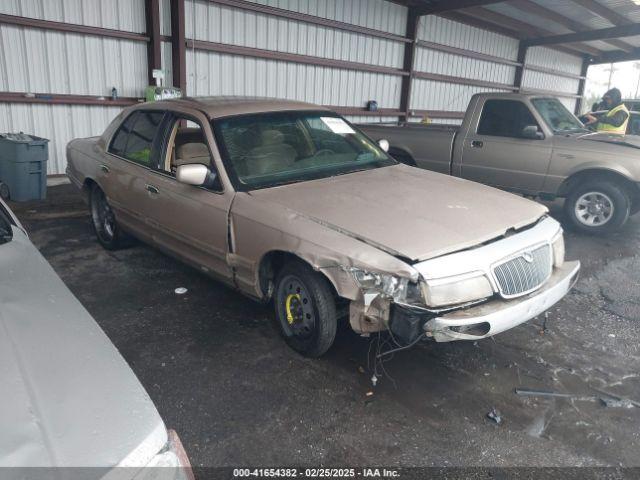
[597,207]
[306,309]
[108,232]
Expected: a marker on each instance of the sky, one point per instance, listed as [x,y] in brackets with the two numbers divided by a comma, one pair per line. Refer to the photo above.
[625,76]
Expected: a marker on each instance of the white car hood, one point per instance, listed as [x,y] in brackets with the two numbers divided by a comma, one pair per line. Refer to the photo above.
[68,396]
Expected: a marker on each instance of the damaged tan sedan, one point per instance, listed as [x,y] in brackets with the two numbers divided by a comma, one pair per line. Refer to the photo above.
[289,202]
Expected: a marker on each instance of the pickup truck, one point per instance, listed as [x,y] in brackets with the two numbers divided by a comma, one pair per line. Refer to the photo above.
[532,145]
[290,204]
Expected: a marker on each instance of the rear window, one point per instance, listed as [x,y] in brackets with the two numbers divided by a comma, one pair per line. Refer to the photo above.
[134,139]
[505,118]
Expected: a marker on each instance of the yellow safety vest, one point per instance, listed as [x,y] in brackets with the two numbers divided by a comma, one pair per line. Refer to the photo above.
[608,128]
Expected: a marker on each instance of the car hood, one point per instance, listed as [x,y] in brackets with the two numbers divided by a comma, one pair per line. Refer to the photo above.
[406,211]
[69,398]
[621,140]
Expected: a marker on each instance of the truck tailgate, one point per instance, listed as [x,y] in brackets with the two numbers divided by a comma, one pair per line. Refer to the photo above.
[426,146]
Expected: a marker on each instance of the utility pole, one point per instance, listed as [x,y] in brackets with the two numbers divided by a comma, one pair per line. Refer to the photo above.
[612,69]
[637,67]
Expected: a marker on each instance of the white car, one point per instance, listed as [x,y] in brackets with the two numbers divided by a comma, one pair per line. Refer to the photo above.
[69,399]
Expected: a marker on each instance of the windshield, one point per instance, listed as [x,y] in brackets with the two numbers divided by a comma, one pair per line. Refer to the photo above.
[556,115]
[265,150]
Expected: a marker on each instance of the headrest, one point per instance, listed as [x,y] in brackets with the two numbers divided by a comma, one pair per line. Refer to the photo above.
[271,137]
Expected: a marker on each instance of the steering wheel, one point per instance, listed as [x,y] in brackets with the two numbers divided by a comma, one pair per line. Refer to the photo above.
[323,152]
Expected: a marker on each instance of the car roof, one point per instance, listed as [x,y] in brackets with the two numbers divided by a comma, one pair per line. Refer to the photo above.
[226,106]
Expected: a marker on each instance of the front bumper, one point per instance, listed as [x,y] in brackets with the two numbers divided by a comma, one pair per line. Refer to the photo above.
[497,316]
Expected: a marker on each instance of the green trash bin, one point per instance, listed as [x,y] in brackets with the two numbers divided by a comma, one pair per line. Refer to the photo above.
[23,167]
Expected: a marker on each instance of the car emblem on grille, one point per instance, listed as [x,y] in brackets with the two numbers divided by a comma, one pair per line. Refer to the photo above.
[527,257]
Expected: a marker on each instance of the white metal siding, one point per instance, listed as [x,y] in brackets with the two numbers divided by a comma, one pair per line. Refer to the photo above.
[432,95]
[221,74]
[41,61]
[553,59]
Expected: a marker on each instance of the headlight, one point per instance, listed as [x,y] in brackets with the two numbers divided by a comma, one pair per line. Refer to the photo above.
[458,289]
[390,285]
[558,249]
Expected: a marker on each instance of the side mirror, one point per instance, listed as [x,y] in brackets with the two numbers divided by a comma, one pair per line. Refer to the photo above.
[192,174]
[532,133]
[384,145]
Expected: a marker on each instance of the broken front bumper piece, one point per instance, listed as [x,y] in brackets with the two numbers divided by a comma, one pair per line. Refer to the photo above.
[497,316]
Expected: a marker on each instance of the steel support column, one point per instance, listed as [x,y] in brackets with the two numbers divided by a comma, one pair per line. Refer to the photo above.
[178,45]
[413,22]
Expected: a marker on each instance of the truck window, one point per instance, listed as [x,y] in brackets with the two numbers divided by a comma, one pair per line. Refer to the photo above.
[134,139]
[505,118]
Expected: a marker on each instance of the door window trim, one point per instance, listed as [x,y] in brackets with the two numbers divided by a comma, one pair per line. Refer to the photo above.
[484,105]
[171,117]
[153,143]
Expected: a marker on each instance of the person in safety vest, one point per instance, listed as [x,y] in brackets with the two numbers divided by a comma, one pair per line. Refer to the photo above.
[616,117]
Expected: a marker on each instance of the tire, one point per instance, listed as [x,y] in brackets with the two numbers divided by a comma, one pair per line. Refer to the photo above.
[305,309]
[605,206]
[107,230]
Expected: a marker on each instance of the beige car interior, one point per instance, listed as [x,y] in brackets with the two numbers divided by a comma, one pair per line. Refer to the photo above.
[186,145]
[271,155]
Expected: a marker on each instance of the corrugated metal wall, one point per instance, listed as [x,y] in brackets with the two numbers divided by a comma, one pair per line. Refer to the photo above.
[39,61]
[553,59]
[210,73]
[433,95]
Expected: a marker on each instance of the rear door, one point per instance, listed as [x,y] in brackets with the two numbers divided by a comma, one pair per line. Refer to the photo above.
[495,151]
[133,153]
[190,221]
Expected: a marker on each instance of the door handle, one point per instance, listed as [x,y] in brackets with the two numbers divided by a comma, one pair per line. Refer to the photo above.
[477,144]
[104,168]
[152,189]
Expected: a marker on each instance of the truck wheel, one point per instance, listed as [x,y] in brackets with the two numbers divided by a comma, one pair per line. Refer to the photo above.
[108,232]
[597,207]
[306,309]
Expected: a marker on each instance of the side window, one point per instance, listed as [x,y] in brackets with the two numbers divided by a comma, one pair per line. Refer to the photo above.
[187,145]
[134,139]
[505,118]
[119,141]
[141,137]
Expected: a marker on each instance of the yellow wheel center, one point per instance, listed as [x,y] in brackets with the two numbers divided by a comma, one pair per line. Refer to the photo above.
[288,306]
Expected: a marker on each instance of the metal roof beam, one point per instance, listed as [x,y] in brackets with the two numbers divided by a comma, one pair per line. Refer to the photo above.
[617,56]
[450,5]
[531,7]
[588,35]
[528,31]
[604,12]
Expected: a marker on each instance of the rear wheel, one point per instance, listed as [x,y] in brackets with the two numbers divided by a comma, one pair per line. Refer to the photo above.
[306,309]
[598,207]
[108,232]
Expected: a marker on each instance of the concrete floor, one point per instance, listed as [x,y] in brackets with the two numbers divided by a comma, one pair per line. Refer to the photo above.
[219,374]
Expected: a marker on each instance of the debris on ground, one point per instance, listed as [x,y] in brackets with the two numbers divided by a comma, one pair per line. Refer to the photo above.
[607,399]
[180,291]
[361,369]
[495,415]
[369,393]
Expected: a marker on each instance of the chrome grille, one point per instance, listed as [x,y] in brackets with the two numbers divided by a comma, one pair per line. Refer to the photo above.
[524,273]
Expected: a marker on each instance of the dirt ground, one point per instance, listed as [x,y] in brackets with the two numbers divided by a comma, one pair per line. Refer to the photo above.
[214,364]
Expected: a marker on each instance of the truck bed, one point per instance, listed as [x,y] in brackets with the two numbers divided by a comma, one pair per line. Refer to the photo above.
[426,146]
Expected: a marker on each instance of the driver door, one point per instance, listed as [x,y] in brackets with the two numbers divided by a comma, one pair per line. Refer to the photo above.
[497,153]
[190,221]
